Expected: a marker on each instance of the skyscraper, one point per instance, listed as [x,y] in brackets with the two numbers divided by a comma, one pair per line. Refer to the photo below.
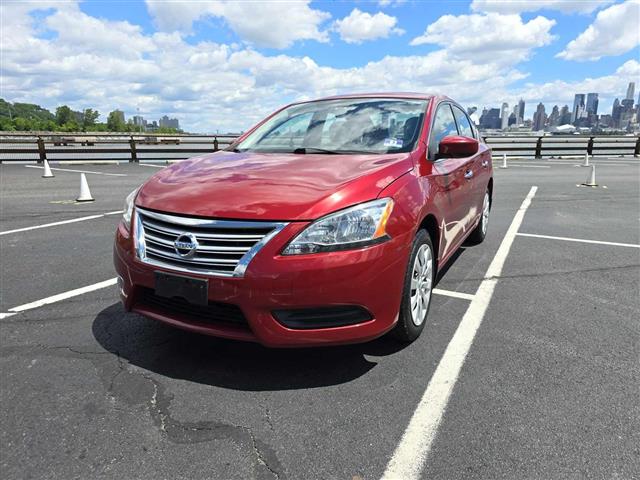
[630,90]
[539,118]
[615,113]
[504,116]
[565,116]
[592,103]
[578,107]
[520,114]
[490,119]
[554,117]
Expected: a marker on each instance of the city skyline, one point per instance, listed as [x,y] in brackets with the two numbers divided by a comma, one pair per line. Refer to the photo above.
[624,114]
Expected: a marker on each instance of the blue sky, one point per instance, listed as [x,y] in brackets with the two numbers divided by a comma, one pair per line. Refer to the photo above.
[222,65]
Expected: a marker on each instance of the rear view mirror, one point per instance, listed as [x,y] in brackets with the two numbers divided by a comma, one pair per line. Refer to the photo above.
[454,146]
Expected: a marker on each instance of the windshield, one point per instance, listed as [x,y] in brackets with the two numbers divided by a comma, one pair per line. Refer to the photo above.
[357,125]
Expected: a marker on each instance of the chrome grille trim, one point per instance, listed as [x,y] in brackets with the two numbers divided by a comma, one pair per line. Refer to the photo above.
[224,247]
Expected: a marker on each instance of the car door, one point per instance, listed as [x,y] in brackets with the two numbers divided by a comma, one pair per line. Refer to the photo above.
[477,169]
[448,175]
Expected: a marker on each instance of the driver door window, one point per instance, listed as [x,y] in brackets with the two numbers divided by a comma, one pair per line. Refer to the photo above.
[463,123]
[443,125]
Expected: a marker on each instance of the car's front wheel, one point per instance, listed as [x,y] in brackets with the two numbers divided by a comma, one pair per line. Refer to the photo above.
[418,285]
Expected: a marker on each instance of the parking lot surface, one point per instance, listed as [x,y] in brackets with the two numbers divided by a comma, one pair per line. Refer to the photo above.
[548,386]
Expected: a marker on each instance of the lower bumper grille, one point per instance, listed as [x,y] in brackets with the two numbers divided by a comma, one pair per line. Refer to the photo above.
[324,317]
[215,312]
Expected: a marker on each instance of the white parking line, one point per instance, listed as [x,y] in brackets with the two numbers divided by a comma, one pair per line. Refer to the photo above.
[530,166]
[411,453]
[80,171]
[581,240]
[451,293]
[149,165]
[60,296]
[63,222]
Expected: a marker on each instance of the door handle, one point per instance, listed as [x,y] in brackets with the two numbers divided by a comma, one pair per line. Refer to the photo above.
[468,174]
[485,163]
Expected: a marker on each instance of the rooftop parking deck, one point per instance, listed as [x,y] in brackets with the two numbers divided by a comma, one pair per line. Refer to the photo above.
[544,386]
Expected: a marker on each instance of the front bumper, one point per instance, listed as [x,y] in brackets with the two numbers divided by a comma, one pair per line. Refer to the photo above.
[369,278]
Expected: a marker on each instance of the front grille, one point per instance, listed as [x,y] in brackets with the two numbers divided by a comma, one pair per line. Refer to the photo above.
[214,312]
[224,247]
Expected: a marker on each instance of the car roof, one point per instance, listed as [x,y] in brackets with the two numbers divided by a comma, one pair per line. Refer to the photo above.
[411,95]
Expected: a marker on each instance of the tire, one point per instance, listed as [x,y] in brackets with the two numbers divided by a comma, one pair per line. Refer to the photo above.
[413,311]
[478,233]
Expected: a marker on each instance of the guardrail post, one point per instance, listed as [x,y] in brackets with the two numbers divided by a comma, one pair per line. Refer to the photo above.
[134,153]
[590,146]
[539,148]
[41,150]
[215,144]
[636,152]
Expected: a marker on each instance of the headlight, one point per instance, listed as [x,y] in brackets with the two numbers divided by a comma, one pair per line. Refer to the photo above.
[128,207]
[355,227]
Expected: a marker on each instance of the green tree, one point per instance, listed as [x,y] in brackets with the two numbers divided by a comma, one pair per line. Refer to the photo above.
[89,117]
[115,121]
[63,115]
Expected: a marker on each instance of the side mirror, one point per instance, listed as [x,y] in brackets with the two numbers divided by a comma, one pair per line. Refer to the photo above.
[454,146]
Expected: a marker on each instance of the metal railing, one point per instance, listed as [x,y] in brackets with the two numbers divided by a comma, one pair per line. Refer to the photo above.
[107,147]
[563,145]
[136,147]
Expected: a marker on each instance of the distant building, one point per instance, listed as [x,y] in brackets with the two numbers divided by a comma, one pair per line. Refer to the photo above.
[119,115]
[504,116]
[565,116]
[626,113]
[520,114]
[616,112]
[605,121]
[630,91]
[490,119]
[139,121]
[167,122]
[592,103]
[578,107]
[539,118]
[554,117]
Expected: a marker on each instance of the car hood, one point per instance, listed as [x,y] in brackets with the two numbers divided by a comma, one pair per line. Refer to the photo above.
[269,186]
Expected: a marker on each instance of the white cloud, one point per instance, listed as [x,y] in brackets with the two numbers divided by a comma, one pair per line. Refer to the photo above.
[511,7]
[614,32]
[361,26]
[391,3]
[504,38]
[211,86]
[264,24]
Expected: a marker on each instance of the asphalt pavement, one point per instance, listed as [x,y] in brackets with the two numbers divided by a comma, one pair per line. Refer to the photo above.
[549,388]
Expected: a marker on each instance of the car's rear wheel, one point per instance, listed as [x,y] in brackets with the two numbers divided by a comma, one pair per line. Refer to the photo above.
[478,233]
[418,286]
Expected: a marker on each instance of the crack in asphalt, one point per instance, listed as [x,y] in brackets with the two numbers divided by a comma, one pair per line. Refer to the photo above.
[132,387]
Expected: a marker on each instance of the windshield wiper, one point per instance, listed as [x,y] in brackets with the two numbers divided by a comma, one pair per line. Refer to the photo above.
[316,150]
[334,152]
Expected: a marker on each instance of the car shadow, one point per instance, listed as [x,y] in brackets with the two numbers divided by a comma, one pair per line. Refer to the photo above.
[443,271]
[178,354]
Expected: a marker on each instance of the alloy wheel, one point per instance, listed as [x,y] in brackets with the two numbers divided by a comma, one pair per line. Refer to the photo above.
[421,283]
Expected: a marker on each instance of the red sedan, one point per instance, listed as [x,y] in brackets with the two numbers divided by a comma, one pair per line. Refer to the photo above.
[324,224]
